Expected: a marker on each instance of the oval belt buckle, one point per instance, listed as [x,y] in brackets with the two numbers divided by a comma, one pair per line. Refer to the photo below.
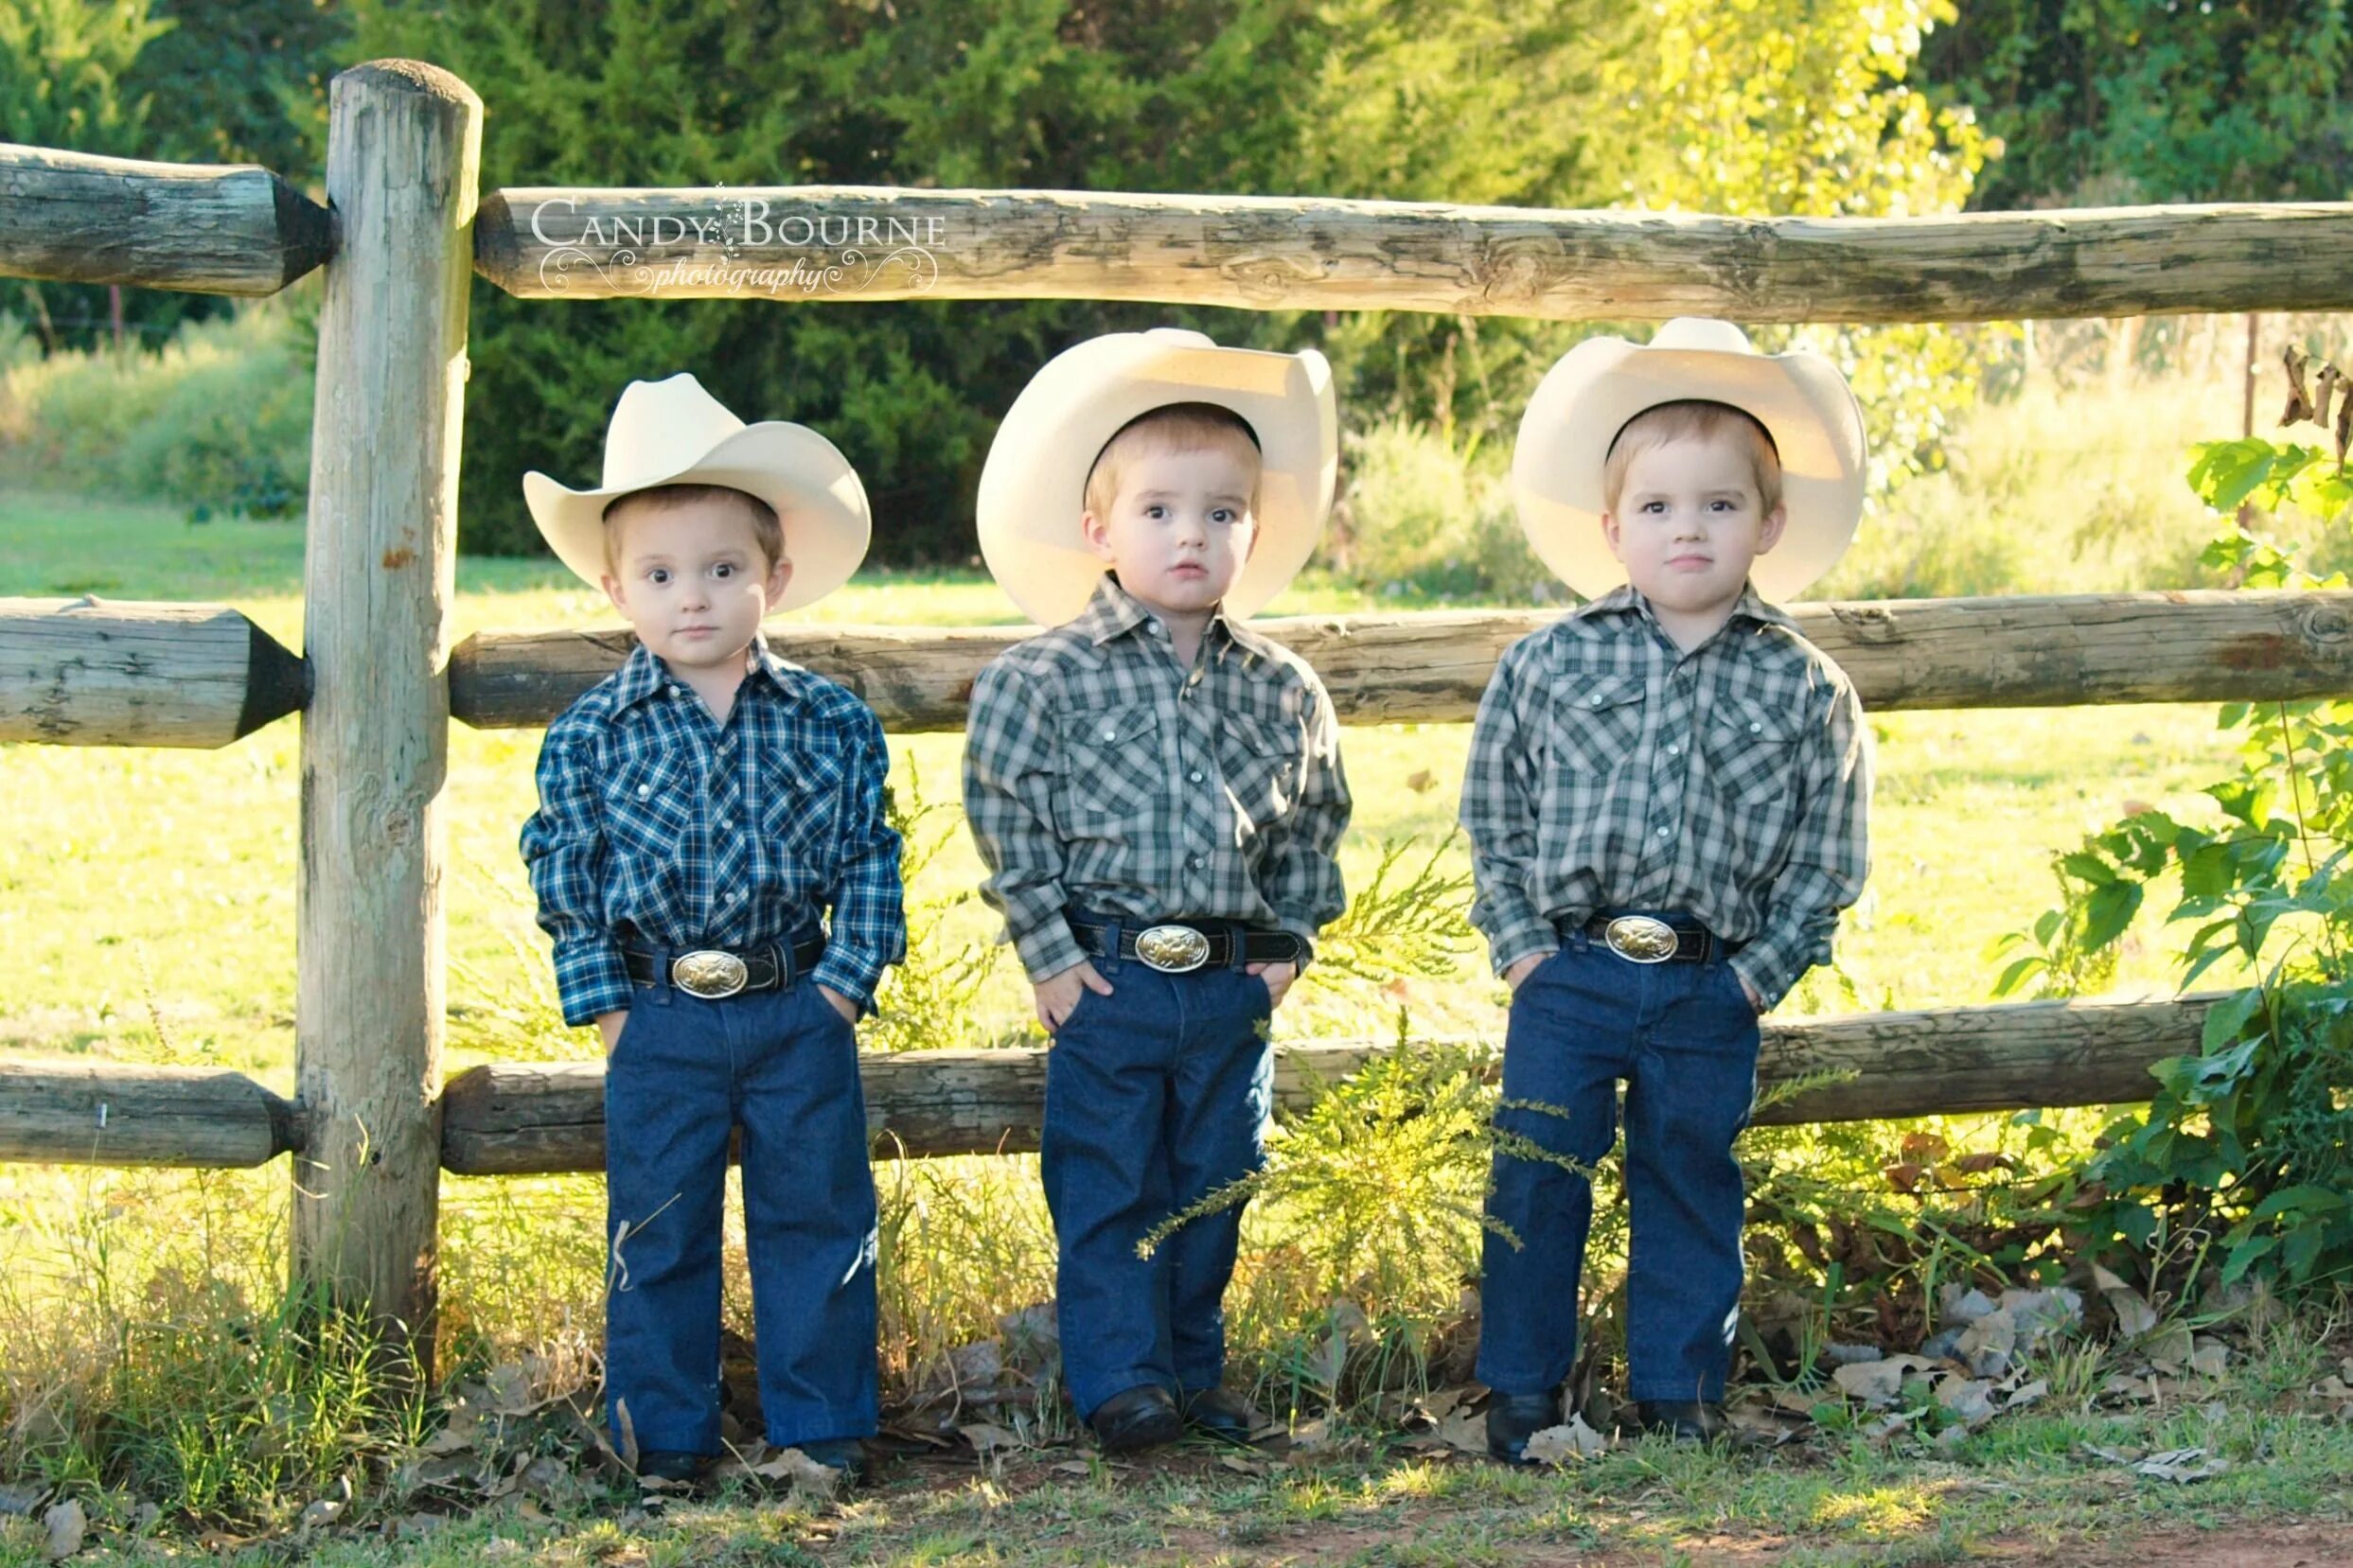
[709,974]
[1172,949]
[1640,938]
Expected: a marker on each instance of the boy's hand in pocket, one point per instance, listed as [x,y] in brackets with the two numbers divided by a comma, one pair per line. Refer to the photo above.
[610,1023]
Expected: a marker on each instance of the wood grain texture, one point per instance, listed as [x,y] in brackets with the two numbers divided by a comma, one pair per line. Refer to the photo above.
[403,148]
[518,1119]
[821,243]
[90,1113]
[91,672]
[199,228]
[2028,652]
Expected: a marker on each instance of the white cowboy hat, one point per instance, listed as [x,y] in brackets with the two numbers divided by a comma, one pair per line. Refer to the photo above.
[1585,400]
[674,433]
[1034,485]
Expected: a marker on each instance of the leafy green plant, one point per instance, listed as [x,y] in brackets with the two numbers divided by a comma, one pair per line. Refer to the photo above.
[2250,1141]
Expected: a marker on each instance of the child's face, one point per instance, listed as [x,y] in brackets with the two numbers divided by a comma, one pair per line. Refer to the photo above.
[1179,530]
[1688,522]
[692,581]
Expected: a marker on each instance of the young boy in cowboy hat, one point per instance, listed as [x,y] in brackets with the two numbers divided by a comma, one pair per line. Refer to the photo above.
[1666,798]
[702,811]
[1156,791]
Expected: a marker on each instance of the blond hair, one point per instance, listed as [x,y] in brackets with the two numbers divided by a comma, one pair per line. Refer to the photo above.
[1692,419]
[767,529]
[1171,428]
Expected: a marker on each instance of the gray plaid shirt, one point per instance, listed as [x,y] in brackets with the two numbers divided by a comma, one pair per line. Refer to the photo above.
[1610,771]
[1101,773]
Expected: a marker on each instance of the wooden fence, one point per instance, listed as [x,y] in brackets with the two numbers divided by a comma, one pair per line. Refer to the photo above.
[403,235]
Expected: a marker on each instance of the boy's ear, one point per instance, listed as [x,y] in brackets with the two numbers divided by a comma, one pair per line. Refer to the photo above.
[1769,533]
[1097,535]
[1609,532]
[613,591]
[778,578]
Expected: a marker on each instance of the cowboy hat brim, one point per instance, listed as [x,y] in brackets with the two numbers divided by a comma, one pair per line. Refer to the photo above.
[1033,483]
[1586,398]
[816,493]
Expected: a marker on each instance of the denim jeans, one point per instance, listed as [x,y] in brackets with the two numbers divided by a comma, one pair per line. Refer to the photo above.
[783,1065]
[1156,1096]
[1684,1038]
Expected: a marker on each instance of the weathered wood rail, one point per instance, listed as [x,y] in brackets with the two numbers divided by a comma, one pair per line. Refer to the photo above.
[163,675]
[210,229]
[91,672]
[518,1118]
[2056,651]
[821,243]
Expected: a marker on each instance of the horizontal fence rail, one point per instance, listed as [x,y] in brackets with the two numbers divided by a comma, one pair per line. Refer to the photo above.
[91,672]
[521,1118]
[840,242]
[200,228]
[2060,651]
[79,672]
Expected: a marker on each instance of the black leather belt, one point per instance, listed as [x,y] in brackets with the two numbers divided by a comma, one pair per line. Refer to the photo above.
[1180,946]
[713,973]
[1647,939]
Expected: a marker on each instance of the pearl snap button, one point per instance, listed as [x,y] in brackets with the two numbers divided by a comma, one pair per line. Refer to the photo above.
[1756,729]
[1110,735]
[1195,775]
[644,790]
[1662,832]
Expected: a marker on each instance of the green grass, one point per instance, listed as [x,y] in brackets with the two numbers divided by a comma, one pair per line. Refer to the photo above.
[131,872]
[146,912]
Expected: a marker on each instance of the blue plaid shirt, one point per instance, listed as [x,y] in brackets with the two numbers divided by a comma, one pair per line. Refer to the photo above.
[707,834]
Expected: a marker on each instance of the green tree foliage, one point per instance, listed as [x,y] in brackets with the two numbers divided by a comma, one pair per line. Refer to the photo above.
[2155,100]
[2247,1144]
[222,82]
[1198,95]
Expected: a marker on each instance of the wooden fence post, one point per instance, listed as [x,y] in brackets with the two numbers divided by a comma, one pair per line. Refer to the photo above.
[403,164]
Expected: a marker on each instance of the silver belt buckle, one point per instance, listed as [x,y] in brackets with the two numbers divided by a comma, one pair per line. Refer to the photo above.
[709,974]
[1172,949]
[1640,938]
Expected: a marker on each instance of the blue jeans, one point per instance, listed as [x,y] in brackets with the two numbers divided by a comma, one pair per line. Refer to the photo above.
[1684,1038]
[783,1065]
[1156,1096]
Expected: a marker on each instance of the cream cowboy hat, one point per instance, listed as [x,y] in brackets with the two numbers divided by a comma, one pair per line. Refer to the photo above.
[1034,485]
[674,433]
[1586,398]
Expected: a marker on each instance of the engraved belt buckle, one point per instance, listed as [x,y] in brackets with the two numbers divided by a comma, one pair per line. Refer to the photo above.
[709,974]
[1172,949]
[1640,938]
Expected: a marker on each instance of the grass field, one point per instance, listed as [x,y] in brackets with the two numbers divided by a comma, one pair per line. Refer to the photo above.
[140,872]
[146,904]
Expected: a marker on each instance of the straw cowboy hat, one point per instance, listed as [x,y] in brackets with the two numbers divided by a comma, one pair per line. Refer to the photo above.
[1586,398]
[674,433]
[1034,485]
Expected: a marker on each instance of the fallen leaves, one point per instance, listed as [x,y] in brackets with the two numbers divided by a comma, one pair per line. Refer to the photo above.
[67,1524]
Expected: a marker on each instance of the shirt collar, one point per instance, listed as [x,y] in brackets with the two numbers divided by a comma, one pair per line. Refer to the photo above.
[1626,599]
[642,674]
[1113,613]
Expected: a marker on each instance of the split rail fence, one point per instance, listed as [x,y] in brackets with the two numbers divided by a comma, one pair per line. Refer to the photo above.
[402,236]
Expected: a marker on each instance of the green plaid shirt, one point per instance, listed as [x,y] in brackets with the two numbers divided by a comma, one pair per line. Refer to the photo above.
[1100,773]
[1611,771]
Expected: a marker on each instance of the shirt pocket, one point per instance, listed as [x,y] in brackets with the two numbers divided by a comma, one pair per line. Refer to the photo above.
[1597,723]
[1752,750]
[1111,769]
[650,807]
[1260,761]
[801,805]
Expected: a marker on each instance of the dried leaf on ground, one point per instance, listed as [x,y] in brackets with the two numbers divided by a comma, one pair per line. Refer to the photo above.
[1969,1399]
[1878,1383]
[2181,1465]
[2134,1316]
[987,1437]
[1572,1440]
[1464,1430]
